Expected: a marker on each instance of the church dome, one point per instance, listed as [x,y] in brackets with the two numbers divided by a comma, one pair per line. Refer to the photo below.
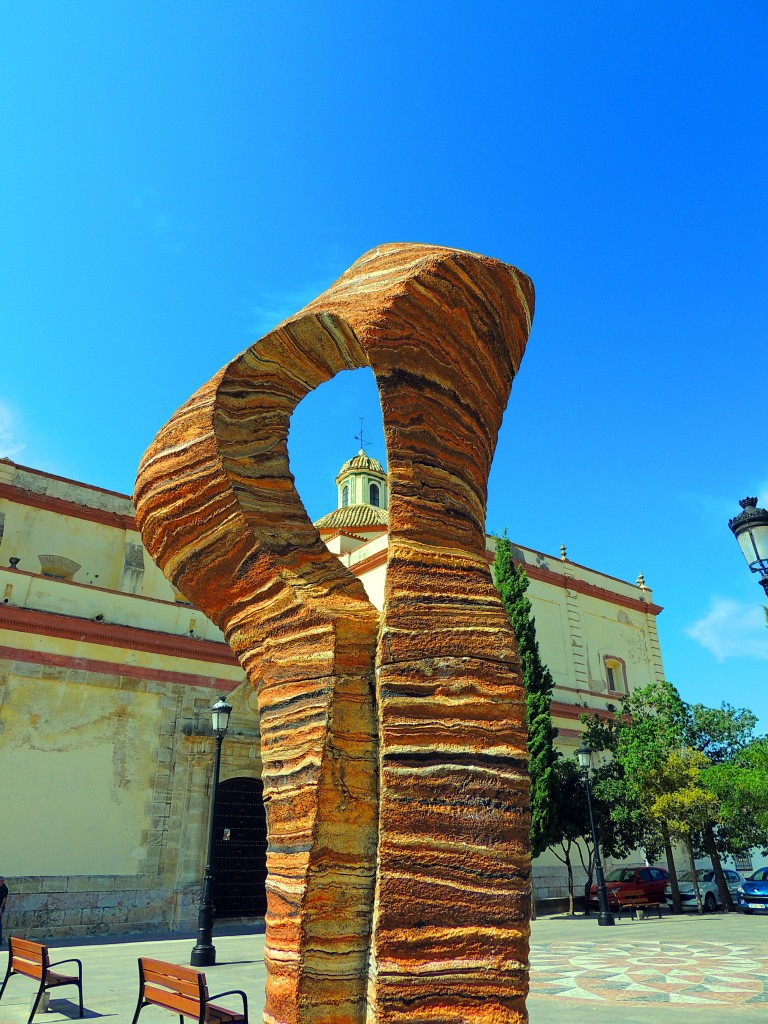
[361,461]
[362,491]
[353,517]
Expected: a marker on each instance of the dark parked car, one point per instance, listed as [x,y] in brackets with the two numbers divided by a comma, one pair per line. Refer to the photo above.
[752,894]
[649,880]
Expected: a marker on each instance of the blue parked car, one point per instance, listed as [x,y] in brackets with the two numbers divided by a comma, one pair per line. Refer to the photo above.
[752,894]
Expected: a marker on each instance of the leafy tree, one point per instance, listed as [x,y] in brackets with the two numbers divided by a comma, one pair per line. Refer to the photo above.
[620,822]
[682,801]
[619,833]
[719,733]
[572,818]
[512,584]
[741,787]
[651,725]
[654,724]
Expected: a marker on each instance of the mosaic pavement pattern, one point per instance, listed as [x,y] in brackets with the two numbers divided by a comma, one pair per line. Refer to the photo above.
[700,973]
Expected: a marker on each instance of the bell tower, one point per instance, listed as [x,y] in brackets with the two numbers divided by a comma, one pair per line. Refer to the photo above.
[362,481]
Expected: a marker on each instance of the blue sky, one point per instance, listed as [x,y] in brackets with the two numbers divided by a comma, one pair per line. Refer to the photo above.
[177,177]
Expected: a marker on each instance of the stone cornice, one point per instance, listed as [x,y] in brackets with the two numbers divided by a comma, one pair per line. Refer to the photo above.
[65,479]
[111,668]
[534,572]
[366,564]
[61,506]
[556,579]
[559,709]
[103,590]
[68,627]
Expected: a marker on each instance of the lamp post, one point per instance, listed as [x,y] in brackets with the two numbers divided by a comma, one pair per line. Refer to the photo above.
[604,917]
[204,952]
[750,528]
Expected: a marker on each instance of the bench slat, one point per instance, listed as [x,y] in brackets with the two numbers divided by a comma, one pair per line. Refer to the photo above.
[216,1013]
[182,985]
[28,967]
[53,978]
[169,970]
[172,1001]
[35,950]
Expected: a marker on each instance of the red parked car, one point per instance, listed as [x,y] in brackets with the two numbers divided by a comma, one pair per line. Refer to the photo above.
[649,880]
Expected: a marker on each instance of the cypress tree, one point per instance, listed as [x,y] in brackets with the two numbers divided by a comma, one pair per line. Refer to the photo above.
[512,584]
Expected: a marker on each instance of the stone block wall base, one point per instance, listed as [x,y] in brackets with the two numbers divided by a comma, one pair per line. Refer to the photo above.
[558,905]
[45,908]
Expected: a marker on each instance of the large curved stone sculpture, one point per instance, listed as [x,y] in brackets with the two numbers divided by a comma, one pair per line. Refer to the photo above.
[393,745]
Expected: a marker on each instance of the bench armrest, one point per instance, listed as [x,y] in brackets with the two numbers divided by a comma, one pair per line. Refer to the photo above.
[72,960]
[233,992]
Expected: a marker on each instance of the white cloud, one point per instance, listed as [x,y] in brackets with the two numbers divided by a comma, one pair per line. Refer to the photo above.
[10,444]
[267,310]
[264,310]
[732,629]
[712,511]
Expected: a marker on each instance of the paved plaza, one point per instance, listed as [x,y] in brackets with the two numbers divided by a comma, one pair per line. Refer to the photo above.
[675,970]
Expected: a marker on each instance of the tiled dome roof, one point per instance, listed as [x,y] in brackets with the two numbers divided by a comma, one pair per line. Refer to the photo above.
[353,516]
[362,461]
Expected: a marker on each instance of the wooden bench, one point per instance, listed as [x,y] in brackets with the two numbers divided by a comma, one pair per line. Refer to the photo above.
[635,899]
[32,959]
[183,991]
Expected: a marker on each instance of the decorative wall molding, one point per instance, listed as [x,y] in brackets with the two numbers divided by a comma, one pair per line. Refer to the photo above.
[63,507]
[68,627]
[111,668]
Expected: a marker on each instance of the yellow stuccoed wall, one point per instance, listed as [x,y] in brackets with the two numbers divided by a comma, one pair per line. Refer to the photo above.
[106,682]
[95,738]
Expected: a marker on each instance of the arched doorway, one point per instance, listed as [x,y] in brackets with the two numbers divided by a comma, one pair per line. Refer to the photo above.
[240,850]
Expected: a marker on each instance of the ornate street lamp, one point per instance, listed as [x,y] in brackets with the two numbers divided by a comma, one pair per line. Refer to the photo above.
[204,952]
[750,528]
[605,917]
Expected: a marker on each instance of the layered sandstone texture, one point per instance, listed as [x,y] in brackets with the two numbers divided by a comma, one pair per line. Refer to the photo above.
[393,746]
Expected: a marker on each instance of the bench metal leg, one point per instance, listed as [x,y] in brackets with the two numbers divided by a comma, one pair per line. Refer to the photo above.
[139,1006]
[8,973]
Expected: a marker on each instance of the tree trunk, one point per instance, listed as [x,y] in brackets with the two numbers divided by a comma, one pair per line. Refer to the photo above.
[711,847]
[677,903]
[566,859]
[692,862]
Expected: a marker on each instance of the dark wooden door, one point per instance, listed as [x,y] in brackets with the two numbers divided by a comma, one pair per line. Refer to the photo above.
[240,850]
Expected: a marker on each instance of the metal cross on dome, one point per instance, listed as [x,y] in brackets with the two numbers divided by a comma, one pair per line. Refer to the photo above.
[359,437]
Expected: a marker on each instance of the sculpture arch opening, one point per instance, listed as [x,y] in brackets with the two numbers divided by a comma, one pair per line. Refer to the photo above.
[324,432]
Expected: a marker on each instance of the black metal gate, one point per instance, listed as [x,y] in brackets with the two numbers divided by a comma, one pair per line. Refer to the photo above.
[240,850]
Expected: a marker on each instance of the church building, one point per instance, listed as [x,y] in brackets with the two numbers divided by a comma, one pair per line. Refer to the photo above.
[597,634]
[107,675]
